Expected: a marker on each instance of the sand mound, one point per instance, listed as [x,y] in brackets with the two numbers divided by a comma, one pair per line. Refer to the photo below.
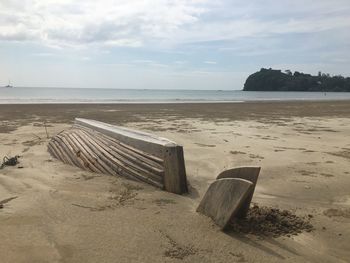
[268,221]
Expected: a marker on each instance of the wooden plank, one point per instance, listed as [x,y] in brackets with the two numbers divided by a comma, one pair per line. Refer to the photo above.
[101,165]
[124,146]
[122,169]
[146,160]
[51,149]
[69,150]
[80,153]
[223,199]
[62,154]
[108,165]
[67,154]
[93,157]
[90,160]
[76,151]
[91,141]
[130,168]
[130,156]
[140,140]
[175,173]
[58,153]
[247,173]
[134,165]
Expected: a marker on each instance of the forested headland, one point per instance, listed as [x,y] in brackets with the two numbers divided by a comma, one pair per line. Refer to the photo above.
[278,80]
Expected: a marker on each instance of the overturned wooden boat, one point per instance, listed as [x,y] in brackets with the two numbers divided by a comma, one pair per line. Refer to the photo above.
[105,148]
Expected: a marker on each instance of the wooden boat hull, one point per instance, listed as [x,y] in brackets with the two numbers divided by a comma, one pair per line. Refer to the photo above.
[104,148]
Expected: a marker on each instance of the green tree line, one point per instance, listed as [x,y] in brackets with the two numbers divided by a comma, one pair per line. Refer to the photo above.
[276,80]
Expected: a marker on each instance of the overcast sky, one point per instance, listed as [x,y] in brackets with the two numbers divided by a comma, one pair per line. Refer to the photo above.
[168,44]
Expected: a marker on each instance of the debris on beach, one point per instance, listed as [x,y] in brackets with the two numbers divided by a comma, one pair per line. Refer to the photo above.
[271,222]
[229,196]
[9,161]
[2,202]
[104,148]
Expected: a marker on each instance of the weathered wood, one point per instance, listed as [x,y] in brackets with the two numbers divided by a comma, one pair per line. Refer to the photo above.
[67,148]
[122,168]
[101,147]
[130,167]
[175,173]
[75,151]
[140,140]
[123,146]
[100,164]
[248,173]
[134,156]
[61,152]
[141,154]
[108,164]
[92,156]
[127,163]
[51,150]
[84,154]
[223,199]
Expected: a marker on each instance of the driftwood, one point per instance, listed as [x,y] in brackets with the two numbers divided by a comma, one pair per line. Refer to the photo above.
[229,196]
[250,174]
[2,202]
[104,148]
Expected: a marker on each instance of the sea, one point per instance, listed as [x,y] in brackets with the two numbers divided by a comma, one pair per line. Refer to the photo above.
[33,95]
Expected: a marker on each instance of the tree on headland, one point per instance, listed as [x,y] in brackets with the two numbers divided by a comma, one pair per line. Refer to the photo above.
[276,80]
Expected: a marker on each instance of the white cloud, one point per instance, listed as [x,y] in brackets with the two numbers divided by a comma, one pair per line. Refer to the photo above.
[210,62]
[135,23]
[76,23]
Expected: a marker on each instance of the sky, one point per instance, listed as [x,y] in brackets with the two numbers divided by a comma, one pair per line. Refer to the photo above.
[160,44]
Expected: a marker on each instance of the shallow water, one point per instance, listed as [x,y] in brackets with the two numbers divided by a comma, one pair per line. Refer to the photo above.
[100,95]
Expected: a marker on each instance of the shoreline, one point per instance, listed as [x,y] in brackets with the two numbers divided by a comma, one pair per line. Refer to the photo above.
[200,101]
[150,96]
[141,102]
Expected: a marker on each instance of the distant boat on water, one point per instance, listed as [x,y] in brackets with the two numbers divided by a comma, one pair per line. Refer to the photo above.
[9,85]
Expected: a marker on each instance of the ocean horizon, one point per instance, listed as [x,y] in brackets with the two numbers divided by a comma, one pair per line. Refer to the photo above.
[37,95]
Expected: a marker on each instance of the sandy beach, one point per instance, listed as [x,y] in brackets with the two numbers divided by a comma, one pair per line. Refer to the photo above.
[59,213]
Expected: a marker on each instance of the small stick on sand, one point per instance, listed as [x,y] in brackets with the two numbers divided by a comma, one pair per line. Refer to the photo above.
[2,202]
[47,134]
[83,206]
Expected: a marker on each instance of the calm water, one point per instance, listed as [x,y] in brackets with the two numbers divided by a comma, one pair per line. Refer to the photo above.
[75,95]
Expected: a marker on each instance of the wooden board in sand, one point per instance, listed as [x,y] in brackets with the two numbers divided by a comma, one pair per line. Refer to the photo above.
[224,198]
[249,173]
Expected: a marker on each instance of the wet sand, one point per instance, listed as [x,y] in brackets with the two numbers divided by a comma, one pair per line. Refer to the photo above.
[64,214]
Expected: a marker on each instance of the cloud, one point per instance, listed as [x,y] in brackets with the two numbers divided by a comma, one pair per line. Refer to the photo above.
[134,23]
[75,23]
[210,62]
